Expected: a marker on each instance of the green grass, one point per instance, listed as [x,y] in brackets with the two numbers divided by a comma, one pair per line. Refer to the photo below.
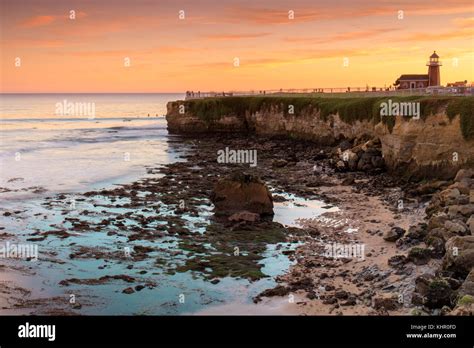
[466,300]
[465,108]
[350,109]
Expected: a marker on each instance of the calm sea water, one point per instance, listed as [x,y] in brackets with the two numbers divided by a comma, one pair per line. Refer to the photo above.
[41,106]
[41,150]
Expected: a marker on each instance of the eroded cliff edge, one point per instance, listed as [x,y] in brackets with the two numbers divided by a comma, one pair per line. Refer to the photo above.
[436,144]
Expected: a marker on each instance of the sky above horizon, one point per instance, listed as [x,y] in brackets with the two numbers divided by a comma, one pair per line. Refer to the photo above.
[199,52]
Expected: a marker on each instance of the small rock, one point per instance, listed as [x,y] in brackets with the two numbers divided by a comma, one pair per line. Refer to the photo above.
[455,227]
[470,224]
[244,216]
[464,174]
[397,261]
[439,294]
[349,180]
[393,234]
[388,302]
[419,256]
[341,294]
[459,257]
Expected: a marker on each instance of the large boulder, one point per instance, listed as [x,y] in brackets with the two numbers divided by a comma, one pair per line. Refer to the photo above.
[459,257]
[241,192]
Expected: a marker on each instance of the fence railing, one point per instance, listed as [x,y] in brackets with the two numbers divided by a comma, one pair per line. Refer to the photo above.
[338,92]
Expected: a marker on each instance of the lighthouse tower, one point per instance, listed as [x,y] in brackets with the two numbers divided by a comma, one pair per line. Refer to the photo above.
[433,70]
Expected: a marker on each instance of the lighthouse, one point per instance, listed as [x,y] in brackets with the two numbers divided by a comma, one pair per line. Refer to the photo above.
[433,70]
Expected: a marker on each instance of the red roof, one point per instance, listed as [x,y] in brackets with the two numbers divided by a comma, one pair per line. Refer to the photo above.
[411,77]
[434,55]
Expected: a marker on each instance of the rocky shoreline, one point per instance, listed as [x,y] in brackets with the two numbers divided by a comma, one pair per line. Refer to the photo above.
[405,267]
[392,217]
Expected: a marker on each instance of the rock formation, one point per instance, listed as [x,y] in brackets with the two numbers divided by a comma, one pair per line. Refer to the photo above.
[436,145]
[240,195]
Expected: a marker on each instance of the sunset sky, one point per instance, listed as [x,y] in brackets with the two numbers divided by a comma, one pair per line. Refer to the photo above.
[169,54]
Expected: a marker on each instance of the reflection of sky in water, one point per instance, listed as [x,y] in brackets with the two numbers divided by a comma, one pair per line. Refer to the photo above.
[71,158]
[298,208]
[162,299]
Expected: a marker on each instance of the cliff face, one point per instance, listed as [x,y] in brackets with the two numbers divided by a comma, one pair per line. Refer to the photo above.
[432,146]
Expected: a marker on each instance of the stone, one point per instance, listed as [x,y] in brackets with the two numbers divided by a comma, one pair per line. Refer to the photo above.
[244,216]
[436,245]
[351,301]
[347,155]
[417,299]
[455,227]
[365,162]
[345,145]
[419,256]
[462,186]
[438,294]
[341,294]
[128,291]
[388,302]
[377,162]
[340,165]
[464,210]
[459,257]
[422,283]
[393,234]
[397,261]
[349,180]
[437,221]
[464,174]
[453,193]
[279,163]
[417,231]
[442,233]
[241,192]
[467,287]
[470,224]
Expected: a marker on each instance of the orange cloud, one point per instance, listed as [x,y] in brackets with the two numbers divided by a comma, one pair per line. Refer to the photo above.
[40,43]
[235,36]
[454,34]
[269,16]
[289,57]
[37,21]
[464,22]
[351,35]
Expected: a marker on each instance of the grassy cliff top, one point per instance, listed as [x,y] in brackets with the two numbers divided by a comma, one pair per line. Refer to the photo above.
[350,109]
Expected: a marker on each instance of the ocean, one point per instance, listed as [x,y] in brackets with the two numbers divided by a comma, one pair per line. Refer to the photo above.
[42,150]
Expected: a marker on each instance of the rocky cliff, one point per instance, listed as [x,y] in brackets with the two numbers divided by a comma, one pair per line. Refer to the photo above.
[435,142]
